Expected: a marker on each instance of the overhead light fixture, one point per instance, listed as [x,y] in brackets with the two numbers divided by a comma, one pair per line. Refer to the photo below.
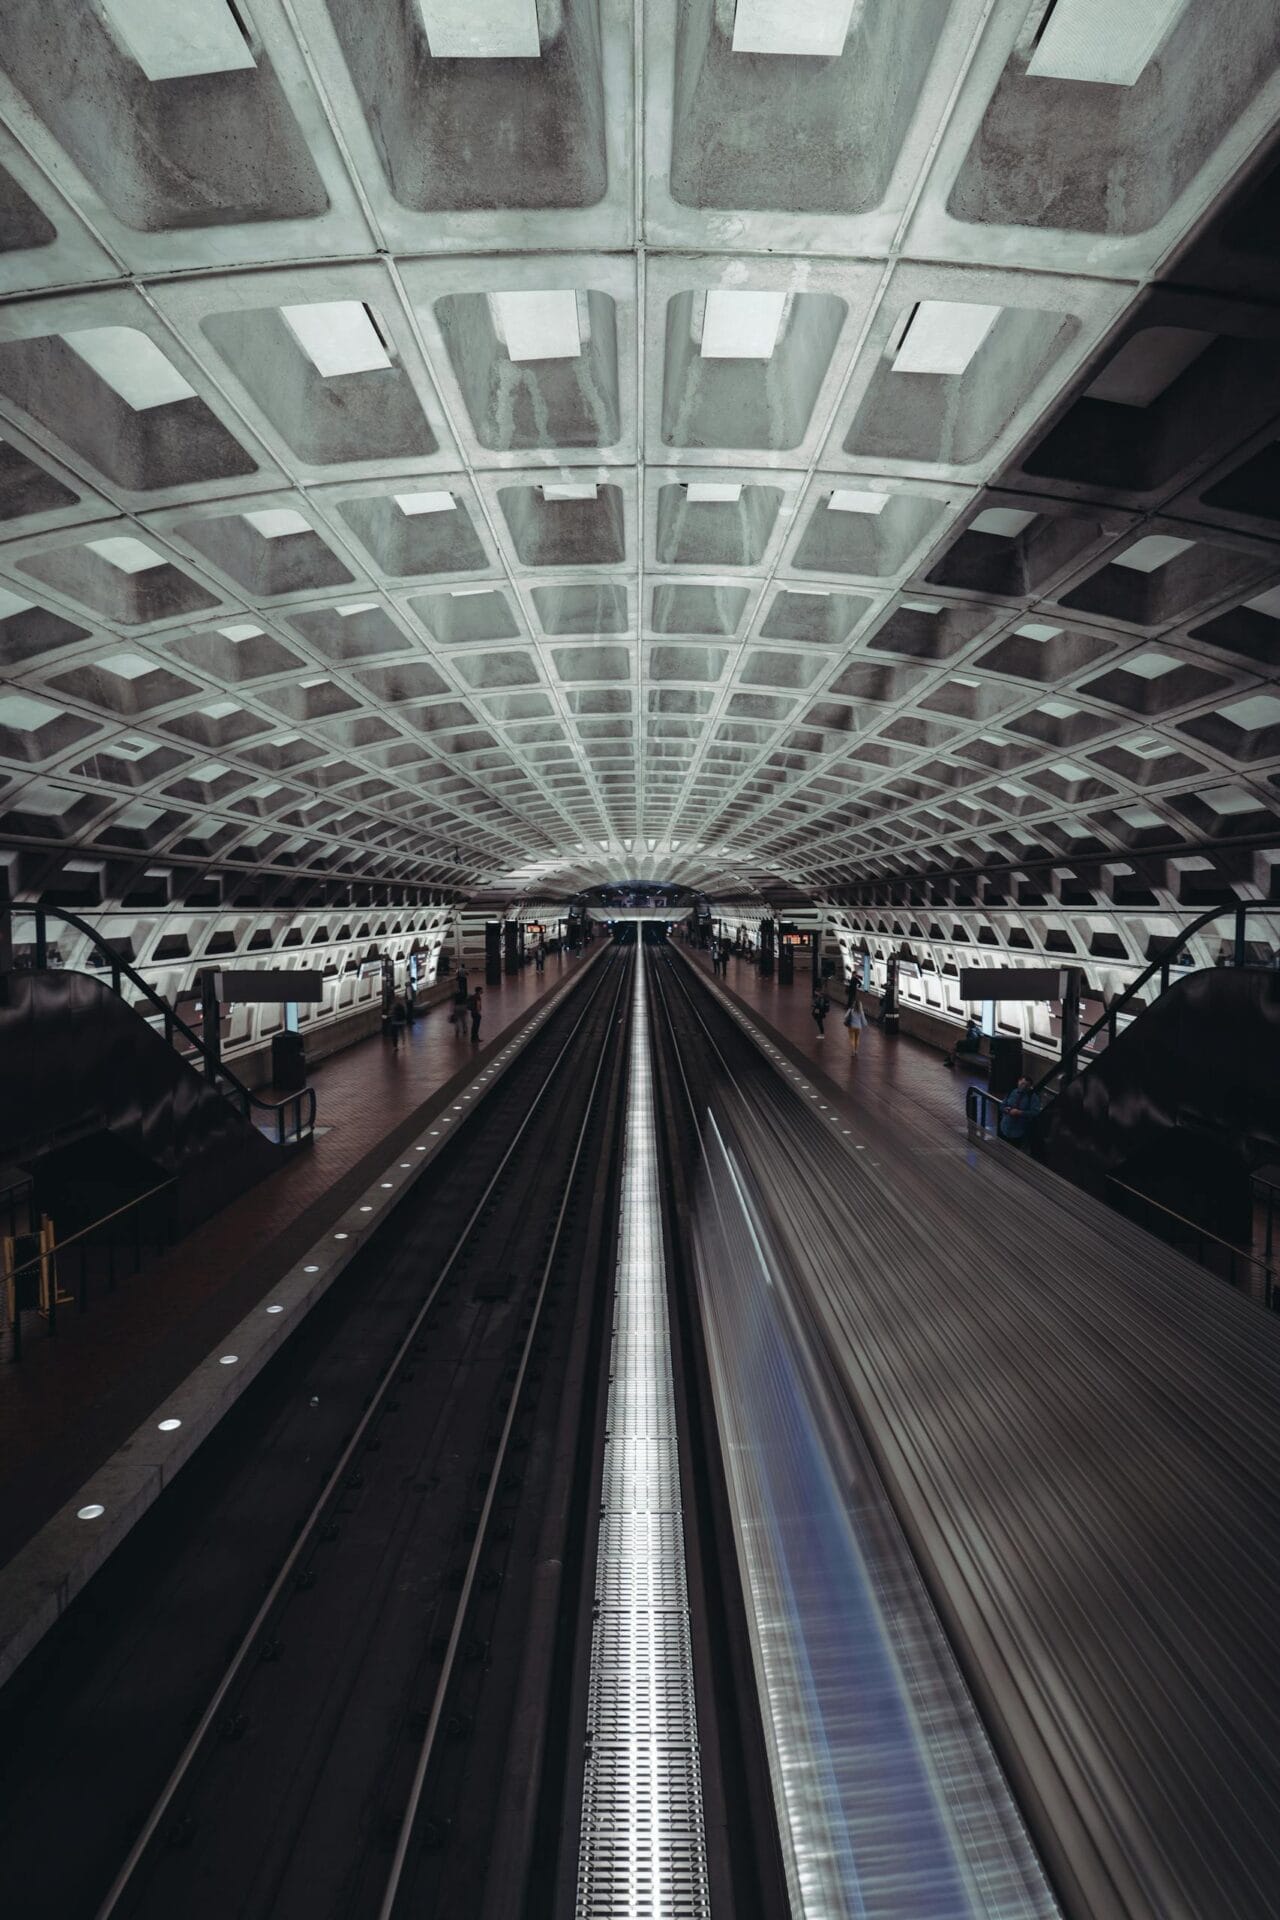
[126,554]
[741,325]
[1100,41]
[467,593]
[415,503]
[1006,523]
[349,607]
[810,27]
[1151,553]
[131,364]
[1258,710]
[1037,630]
[277,523]
[853,500]
[712,492]
[570,490]
[481,29]
[12,604]
[128,666]
[1267,603]
[1147,365]
[942,336]
[1150,666]
[337,336]
[181,38]
[538,326]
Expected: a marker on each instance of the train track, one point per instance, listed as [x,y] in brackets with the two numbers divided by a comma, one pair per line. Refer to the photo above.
[324,1751]
[1076,1430]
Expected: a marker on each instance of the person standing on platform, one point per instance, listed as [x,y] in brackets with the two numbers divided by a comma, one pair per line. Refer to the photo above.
[397,1025]
[1017,1112]
[539,956]
[855,1020]
[851,990]
[476,1011]
[458,1013]
[820,1009]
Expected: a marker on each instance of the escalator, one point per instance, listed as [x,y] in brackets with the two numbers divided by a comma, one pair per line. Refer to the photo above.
[1181,1107]
[98,1107]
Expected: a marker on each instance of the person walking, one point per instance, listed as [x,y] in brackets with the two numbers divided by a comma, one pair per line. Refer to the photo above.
[855,1020]
[397,1024]
[476,1010]
[820,1009]
[458,1012]
[851,990]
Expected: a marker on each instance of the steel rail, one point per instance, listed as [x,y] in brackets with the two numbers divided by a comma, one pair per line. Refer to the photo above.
[332,1486]
[409,1820]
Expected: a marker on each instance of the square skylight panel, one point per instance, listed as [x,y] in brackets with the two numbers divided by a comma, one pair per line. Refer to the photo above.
[1258,710]
[128,666]
[26,715]
[12,603]
[1148,555]
[853,500]
[811,27]
[1228,800]
[1101,41]
[1006,523]
[337,336]
[126,554]
[131,364]
[713,492]
[538,326]
[175,39]
[1150,666]
[242,631]
[481,29]
[740,325]
[415,503]
[570,490]
[1267,603]
[277,523]
[1148,364]
[1037,630]
[943,336]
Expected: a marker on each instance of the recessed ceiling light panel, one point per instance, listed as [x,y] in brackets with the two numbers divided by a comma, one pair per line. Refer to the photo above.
[943,336]
[810,27]
[538,326]
[740,324]
[481,29]
[131,364]
[337,336]
[176,39]
[1101,41]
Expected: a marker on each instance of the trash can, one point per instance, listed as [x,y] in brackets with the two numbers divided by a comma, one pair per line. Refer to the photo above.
[1006,1063]
[288,1062]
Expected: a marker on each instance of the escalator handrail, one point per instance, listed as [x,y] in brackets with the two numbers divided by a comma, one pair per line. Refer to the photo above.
[1159,965]
[303,1102]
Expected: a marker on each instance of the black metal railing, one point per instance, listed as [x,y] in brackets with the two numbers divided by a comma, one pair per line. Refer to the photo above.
[1063,1071]
[98,1254]
[292,1118]
[1208,1249]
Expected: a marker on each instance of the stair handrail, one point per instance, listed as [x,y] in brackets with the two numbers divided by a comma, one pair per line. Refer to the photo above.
[1161,965]
[302,1103]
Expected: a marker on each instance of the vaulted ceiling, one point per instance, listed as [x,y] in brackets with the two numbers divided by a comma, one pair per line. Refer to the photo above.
[476,445]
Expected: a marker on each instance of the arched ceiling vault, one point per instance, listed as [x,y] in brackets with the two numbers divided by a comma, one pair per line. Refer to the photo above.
[508,447]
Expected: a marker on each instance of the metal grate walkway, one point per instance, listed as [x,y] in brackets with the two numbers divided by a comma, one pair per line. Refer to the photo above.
[643,1848]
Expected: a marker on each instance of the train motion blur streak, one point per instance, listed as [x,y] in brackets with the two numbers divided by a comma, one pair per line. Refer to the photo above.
[890,1803]
[1077,1431]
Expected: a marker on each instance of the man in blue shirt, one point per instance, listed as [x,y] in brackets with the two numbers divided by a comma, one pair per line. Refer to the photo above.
[1017,1111]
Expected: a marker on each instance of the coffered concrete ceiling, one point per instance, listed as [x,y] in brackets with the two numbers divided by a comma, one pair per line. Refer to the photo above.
[460,444]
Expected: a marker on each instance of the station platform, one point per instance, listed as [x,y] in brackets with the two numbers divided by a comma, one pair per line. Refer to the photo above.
[898,1079]
[75,1399]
